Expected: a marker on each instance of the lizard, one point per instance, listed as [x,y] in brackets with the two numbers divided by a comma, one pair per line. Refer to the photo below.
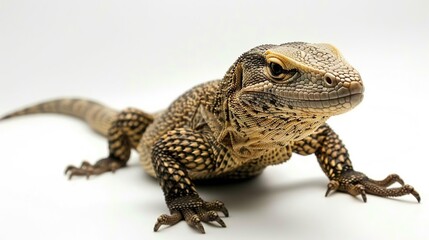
[273,101]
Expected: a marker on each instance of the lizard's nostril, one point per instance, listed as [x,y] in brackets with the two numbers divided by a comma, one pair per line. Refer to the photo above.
[330,80]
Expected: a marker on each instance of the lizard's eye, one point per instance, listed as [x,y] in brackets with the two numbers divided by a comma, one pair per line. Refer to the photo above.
[275,69]
[278,73]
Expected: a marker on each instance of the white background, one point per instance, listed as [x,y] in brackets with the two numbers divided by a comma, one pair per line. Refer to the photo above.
[146,53]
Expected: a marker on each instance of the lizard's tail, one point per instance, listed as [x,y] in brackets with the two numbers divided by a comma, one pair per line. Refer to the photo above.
[98,116]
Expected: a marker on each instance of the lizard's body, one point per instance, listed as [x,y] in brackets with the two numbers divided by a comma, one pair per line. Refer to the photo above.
[198,101]
[273,101]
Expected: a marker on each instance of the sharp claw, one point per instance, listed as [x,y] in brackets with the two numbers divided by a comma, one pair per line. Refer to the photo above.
[200,227]
[332,186]
[414,193]
[327,192]
[221,222]
[157,226]
[417,196]
[225,212]
[363,194]
[68,168]
[159,222]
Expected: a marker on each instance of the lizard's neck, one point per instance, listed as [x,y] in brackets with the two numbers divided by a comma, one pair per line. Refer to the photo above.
[248,132]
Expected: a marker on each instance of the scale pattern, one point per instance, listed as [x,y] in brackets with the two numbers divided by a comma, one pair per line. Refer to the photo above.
[273,101]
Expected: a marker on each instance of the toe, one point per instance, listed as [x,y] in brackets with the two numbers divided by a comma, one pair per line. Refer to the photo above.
[216,206]
[165,219]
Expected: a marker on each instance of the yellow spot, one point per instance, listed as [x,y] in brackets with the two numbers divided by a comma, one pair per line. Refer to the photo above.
[196,152]
[199,160]
[201,167]
[191,165]
[341,158]
[325,161]
[339,167]
[188,181]
[187,149]
[307,148]
[333,163]
[170,170]
[176,178]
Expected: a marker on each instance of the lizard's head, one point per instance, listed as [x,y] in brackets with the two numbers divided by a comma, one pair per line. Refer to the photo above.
[300,78]
[274,94]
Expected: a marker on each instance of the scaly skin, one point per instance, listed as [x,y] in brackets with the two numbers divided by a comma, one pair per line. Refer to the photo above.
[272,102]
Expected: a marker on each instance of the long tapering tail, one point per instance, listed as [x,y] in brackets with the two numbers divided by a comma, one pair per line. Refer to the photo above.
[98,116]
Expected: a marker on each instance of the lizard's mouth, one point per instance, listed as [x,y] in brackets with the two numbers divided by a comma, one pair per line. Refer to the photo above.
[332,106]
[342,99]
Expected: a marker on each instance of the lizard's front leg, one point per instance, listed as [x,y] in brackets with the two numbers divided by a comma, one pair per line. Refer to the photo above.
[174,157]
[334,159]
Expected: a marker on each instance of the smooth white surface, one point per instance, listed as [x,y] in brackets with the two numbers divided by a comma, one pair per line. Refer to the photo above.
[146,53]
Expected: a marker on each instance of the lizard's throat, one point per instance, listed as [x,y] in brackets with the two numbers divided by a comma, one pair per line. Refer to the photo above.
[250,133]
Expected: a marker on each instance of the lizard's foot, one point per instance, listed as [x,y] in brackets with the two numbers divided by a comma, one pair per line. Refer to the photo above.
[357,183]
[108,164]
[193,210]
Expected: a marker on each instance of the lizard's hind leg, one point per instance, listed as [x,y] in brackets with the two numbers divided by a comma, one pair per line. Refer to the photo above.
[123,135]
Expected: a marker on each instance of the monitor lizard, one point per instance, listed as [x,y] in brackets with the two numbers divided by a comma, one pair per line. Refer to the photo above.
[273,101]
